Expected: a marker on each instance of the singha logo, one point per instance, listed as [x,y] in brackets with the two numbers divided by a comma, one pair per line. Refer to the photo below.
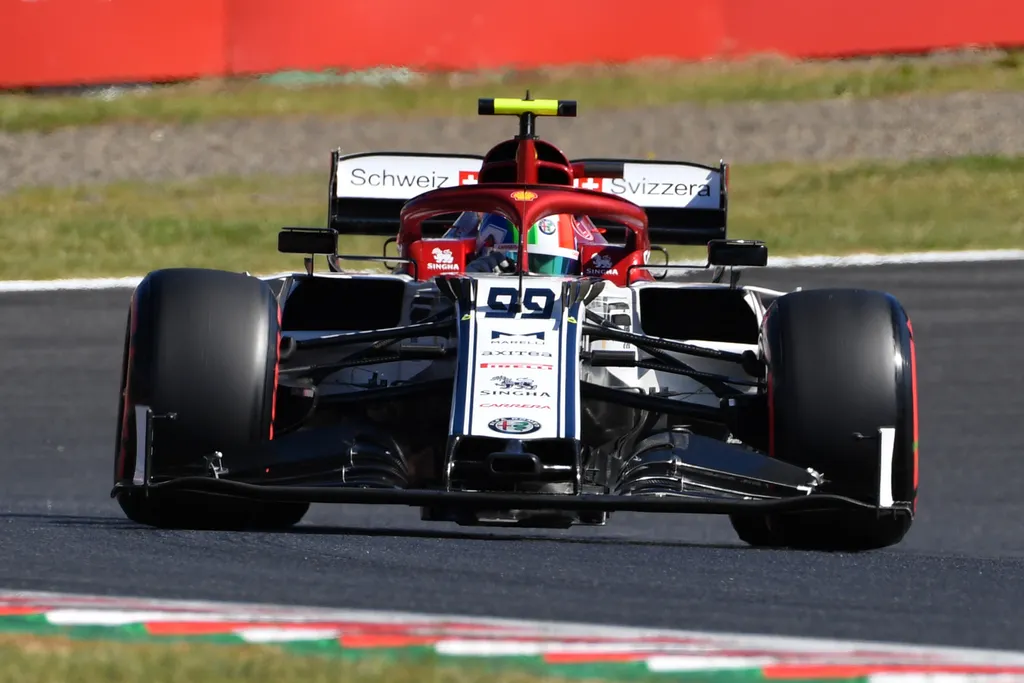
[443,260]
[599,266]
[523,383]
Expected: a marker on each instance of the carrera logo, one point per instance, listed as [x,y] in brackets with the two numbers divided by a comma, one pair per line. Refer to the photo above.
[516,406]
[361,177]
[443,260]
[513,425]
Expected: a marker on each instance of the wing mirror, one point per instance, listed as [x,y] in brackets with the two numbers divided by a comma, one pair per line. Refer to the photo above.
[660,250]
[737,253]
[307,241]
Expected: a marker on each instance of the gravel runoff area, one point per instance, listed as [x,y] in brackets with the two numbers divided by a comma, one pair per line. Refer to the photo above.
[898,128]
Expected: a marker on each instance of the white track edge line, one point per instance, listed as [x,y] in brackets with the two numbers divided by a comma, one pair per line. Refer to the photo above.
[784,262]
[552,628]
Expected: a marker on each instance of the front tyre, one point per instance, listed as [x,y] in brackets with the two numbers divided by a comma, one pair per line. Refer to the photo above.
[203,344]
[841,363]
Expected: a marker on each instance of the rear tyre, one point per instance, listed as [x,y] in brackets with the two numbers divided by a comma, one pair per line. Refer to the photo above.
[202,344]
[840,362]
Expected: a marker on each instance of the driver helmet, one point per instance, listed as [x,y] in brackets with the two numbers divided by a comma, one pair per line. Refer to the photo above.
[550,243]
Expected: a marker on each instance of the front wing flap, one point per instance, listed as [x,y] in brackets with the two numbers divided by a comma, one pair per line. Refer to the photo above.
[473,500]
[719,480]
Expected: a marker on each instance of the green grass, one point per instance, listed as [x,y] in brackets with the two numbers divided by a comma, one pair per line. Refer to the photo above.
[594,87]
[27,659]
[128,229]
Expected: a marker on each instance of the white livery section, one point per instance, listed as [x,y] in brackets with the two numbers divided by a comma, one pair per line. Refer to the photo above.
[518,374]
[403,176]
[663,185]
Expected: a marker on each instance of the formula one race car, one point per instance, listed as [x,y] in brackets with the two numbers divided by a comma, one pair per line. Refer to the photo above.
[491,376]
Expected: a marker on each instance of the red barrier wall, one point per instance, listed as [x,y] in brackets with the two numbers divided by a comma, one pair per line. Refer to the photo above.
[841,28]
[464,34]
[68,42]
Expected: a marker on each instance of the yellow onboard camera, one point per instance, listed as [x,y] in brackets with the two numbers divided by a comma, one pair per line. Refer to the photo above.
[508,106]
[526,109]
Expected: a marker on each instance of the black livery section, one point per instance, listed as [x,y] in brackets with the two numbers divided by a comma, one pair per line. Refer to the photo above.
[201,353]
[840,364]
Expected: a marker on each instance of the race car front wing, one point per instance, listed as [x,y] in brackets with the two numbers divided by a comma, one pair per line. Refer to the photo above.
[647,483]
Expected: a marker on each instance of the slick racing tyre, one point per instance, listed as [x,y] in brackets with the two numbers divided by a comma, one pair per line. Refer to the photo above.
[202,344]
[840,367]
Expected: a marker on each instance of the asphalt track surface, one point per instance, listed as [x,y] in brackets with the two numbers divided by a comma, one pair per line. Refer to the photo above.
[957,579]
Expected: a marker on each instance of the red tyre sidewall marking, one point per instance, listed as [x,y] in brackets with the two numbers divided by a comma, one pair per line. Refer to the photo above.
[122,456]
[771,417]
[913,391]
[277,370]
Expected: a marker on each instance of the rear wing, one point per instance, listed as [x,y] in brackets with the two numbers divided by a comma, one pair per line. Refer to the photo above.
[368,190]
[686,203]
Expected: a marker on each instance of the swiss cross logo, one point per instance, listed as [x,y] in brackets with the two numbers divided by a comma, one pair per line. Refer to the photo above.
[468,177]
[589,183]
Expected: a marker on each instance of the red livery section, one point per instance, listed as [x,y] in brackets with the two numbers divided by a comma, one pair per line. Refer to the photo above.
[70,42]
[437,257]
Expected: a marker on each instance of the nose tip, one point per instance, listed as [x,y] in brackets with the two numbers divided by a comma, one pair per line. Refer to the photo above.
[514,463]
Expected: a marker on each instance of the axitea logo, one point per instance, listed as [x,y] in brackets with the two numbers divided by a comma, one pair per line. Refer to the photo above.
[516,352]
[361,177]
[644,187]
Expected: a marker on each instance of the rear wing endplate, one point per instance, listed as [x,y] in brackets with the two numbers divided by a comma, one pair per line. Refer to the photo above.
[686,203]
